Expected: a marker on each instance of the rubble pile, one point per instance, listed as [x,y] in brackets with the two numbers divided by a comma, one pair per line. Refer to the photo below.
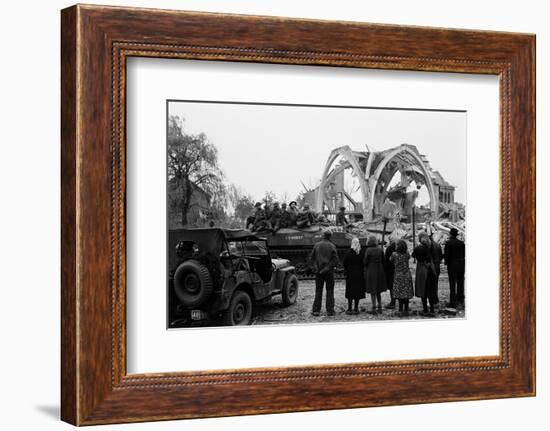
[439,230]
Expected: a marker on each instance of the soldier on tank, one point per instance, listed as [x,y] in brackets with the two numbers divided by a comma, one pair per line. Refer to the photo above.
[268,210]
[251,219]
[262,222]
[322,220]
[275,216]
[292,214]
[305,218]
[284,221]
[341,219]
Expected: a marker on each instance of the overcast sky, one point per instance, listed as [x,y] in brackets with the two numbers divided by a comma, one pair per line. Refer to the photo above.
[269,147]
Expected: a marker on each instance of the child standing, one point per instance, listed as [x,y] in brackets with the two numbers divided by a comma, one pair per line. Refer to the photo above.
[402,281]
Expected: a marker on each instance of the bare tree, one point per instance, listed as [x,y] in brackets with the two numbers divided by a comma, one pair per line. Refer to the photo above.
[192,166]
[269,197]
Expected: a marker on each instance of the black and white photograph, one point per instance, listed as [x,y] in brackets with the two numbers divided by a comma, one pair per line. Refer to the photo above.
[306,214]
[279,214]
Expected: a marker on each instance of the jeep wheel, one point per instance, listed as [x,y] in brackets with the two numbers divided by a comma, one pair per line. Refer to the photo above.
[239,311]
[290,290]
[192,283]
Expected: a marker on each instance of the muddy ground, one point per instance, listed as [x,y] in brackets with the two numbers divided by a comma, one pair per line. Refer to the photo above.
[275,313]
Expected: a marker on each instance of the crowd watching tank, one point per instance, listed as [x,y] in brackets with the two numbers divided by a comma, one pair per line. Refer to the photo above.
[292,232]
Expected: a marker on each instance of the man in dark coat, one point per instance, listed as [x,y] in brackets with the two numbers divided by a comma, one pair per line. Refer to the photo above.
[324,259]
[454,259]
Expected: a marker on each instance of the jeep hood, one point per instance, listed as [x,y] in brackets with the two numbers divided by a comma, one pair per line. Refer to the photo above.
[280,263]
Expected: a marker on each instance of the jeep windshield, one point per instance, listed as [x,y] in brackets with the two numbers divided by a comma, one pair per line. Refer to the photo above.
[247,248]
[256,254]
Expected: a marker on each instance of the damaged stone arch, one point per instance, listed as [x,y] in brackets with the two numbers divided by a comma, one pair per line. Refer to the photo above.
[349,161]
[374,171]
[385,171]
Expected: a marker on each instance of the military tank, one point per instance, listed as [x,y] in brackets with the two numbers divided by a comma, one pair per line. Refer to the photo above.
[296,244]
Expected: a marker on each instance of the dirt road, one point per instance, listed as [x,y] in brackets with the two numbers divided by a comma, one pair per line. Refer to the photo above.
[275,313]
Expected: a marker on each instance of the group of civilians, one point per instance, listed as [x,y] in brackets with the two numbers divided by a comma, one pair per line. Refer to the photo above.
[372,270]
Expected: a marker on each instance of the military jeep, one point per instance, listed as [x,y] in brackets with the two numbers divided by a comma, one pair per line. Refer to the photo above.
[219,274]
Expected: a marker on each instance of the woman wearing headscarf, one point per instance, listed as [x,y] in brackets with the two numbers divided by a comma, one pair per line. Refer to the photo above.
[425,279]
[353,270]
[375,278]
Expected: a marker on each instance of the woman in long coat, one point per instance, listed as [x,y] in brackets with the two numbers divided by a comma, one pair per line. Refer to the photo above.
[425,279]
[375,277]
[353,270]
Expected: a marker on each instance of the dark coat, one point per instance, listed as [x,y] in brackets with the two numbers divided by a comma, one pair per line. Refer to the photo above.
[389,266]
[284,221]
[375,277]
[324,257]
[437,256]
[455,250]
[424,281]
[353,270]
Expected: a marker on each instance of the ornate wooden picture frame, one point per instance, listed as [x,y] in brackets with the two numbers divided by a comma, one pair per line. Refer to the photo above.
[96,42]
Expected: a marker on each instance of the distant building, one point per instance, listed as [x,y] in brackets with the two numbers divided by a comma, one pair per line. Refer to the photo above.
[198,208]
[445,191]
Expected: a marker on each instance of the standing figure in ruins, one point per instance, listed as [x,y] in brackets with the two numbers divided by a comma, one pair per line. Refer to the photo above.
[324,259]
[353,271]
[437,256]
[424,283]
[454,259]
[402,282]
[389,268]
[375,278]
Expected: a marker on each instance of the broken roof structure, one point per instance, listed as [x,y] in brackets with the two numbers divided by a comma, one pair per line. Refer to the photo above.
[374,171]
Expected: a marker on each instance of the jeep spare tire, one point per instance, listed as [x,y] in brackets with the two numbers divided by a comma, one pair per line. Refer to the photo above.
[193,283]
